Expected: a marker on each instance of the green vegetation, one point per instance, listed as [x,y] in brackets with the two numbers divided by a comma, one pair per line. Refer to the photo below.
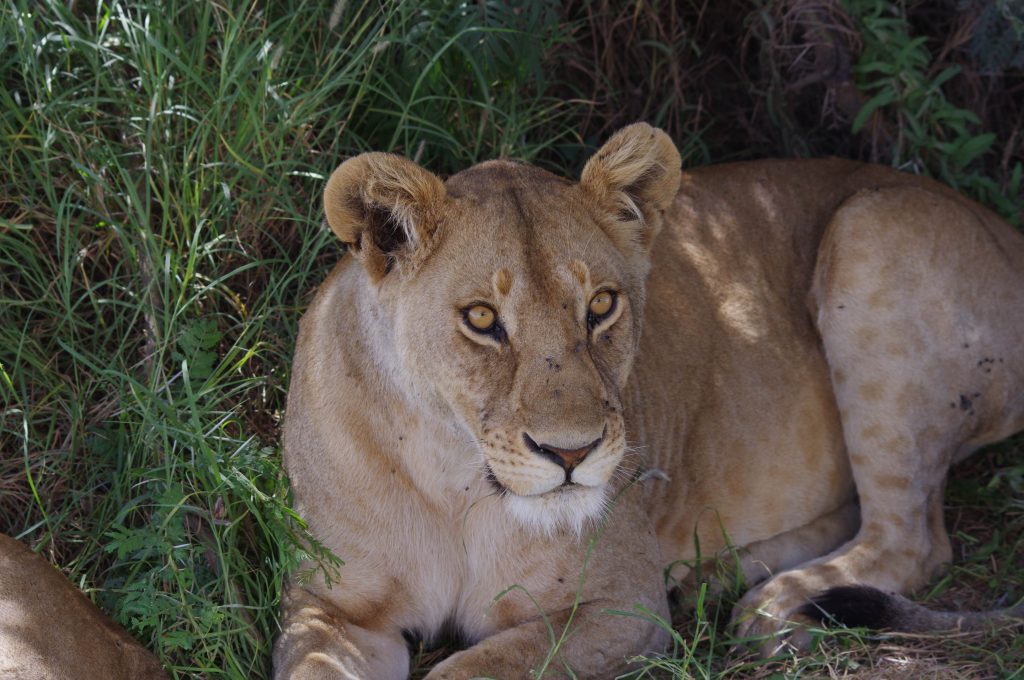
[160,236]
[924,129]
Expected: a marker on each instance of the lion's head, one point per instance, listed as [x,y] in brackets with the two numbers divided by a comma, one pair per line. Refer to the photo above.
[511,299]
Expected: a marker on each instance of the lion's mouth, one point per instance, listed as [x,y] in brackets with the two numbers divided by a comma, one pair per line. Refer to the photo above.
[562,504]
[573,507]
[493,481]
[566,487]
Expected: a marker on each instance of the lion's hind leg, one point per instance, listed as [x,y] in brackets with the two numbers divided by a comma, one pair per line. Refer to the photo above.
[919,300]
[749,565]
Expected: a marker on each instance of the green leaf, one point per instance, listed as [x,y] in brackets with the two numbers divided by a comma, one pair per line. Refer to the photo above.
[879,100]
[972,149]
[946,74]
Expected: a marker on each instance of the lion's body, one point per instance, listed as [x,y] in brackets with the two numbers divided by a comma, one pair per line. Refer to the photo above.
[818,298]
[743,401]
[50,631]
[749,398]
[814,331]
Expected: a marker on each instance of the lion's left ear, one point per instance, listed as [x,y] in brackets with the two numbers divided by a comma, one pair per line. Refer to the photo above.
[634,176]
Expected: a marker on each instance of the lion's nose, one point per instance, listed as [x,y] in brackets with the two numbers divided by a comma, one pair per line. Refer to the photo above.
[566,458]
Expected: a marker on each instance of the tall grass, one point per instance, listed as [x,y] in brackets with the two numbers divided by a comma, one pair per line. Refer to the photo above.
[160,237]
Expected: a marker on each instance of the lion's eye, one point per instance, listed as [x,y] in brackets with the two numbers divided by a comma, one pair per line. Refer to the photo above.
[480,318]
[601,305]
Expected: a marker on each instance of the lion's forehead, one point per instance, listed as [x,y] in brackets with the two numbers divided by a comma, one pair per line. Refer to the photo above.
[525,231]
[518,207]
[483,179]
[527,275]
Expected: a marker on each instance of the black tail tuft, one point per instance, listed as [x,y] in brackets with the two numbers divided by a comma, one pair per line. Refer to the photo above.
[852,606]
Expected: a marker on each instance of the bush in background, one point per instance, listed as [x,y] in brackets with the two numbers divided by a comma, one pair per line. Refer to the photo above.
[929,87]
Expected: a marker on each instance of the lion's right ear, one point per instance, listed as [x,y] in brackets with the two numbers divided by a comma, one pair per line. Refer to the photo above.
[385,208]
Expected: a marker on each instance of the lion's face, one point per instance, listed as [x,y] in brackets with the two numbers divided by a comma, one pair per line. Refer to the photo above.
[524,321]
[516,301]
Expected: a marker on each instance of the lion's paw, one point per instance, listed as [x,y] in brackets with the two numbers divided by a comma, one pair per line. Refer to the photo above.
[773,618]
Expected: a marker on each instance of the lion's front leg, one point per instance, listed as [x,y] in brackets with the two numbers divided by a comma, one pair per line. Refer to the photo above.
[579,607]
[315,643]
[595,643]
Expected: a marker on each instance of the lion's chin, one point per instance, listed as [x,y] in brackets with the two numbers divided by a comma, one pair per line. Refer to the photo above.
[569,508]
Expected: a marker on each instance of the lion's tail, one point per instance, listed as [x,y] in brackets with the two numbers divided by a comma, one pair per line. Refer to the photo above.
[864,606]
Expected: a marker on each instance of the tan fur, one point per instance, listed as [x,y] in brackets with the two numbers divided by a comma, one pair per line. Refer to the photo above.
[768,385]
[50,631]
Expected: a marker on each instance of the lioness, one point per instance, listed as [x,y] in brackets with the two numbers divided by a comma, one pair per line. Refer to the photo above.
[49,630]
[522,397]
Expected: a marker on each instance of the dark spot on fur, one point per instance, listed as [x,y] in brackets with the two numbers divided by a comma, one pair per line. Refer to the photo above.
[625,215]
[965,403]
[561,580]
[449,637]
[493,481]
[851,606]
[841,307]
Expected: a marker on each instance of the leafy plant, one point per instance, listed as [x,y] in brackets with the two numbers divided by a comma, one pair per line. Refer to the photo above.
[924,130]
[998,39]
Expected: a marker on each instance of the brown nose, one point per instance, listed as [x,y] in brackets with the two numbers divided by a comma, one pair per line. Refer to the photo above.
[566,458]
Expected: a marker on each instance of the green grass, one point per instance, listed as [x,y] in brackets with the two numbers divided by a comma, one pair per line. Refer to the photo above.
[160,236]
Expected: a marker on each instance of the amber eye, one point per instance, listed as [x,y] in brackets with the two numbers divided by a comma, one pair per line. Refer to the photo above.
[602,303]
[480,318]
